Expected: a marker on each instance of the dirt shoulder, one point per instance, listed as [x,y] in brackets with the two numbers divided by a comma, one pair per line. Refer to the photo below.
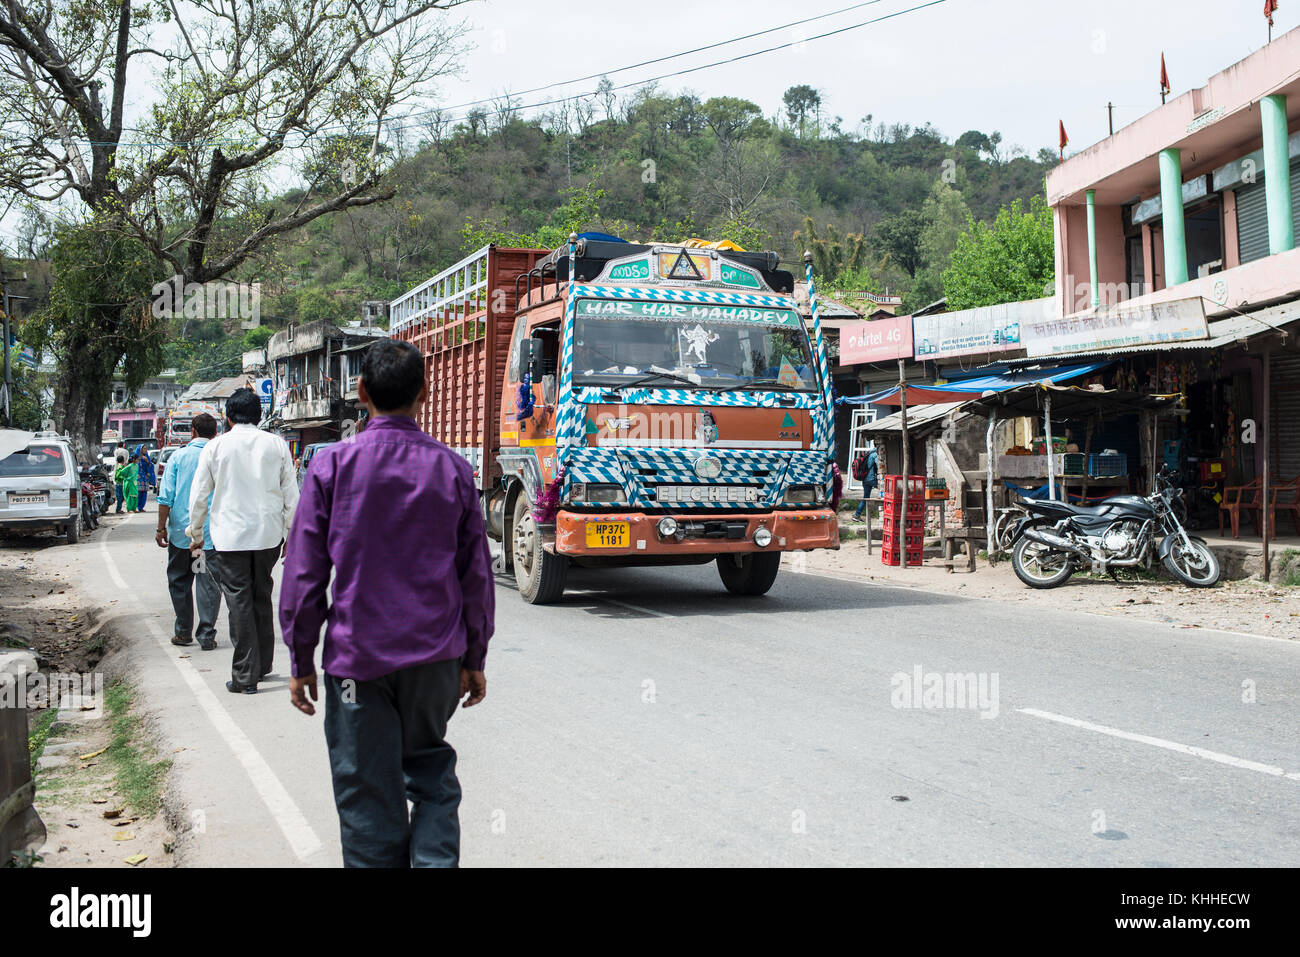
[99,779]
[1243,606]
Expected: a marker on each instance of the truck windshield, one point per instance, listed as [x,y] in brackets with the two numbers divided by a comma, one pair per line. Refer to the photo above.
[707,346]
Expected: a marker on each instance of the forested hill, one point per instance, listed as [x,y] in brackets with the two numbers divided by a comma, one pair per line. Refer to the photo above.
[882,205]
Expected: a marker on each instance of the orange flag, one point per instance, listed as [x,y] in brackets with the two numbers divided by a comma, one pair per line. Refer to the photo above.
[1164,76]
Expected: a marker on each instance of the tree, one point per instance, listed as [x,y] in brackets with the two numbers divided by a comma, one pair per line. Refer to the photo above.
[899,237]
[833,254]
[945,214]
[801,102]
[233,88]
[1011,260]
[98,320]
[975,140]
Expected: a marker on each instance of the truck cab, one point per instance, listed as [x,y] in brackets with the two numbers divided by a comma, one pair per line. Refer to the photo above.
[667,407]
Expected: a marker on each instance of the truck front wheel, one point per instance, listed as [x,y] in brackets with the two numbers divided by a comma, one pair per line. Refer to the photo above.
[749,574]
[539,574]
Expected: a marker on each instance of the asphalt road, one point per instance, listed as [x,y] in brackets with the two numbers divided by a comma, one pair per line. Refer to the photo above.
[652,719]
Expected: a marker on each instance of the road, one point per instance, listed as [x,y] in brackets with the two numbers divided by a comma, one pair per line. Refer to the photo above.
[650,719]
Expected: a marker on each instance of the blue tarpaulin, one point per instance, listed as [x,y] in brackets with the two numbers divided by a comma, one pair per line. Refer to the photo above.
[963,389]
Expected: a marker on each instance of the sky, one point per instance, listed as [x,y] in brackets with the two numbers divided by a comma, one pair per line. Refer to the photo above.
[1016,66]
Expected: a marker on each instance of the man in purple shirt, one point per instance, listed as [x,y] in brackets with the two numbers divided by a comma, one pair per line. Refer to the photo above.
[395,515]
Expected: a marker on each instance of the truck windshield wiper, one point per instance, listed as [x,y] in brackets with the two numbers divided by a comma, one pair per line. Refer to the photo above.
[765,383]
[658,375]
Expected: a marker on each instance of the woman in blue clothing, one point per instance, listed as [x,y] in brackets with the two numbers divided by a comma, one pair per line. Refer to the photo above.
[148,476]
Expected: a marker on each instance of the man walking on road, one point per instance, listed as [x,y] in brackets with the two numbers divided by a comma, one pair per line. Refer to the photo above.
[185,581]
[395,515]
[249,474]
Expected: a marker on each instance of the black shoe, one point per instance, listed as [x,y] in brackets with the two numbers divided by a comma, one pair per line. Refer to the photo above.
[208,645]
[178,640]
[240,689]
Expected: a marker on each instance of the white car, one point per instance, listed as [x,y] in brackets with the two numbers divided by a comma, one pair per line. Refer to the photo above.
[40,488]
[161,460]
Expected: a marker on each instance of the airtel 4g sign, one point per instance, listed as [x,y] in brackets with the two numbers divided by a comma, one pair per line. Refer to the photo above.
[876,341]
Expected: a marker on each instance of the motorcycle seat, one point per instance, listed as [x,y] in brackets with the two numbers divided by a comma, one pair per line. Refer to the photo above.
[1062,509]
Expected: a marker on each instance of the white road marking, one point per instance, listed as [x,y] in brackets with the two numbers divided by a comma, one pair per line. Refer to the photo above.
[292,822]
[1187,749]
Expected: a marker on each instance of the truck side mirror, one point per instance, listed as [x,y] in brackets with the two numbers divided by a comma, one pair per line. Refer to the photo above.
[530,359]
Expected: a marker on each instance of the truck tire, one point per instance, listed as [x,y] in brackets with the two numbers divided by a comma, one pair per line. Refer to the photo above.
[539,574]
[74,530]
[749,574]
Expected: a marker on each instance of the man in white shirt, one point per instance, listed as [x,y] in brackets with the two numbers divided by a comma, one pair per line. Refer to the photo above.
[250,476]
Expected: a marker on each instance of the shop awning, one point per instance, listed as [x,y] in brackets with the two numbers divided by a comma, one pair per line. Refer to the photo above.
[1068,401]
[963,390]
[916,419]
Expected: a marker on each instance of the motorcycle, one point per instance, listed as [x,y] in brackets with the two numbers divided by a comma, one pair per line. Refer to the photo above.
[90,500]
[1056,539]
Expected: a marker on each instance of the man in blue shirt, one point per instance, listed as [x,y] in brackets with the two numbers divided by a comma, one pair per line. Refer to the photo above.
[185,572]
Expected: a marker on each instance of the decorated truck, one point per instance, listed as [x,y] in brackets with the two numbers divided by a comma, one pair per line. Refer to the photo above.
[629,404]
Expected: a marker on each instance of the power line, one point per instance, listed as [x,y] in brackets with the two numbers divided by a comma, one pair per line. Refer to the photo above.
[662,59]
[709,66]
[634,83]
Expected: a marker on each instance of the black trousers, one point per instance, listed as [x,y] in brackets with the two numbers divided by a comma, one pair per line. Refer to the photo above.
[387,745]
[245,579]
[184,584]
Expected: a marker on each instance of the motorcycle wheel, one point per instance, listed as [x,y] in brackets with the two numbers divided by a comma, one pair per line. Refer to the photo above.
[1196,566]
[1039,566]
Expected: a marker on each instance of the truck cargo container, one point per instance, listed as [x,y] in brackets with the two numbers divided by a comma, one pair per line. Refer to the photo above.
[629,404]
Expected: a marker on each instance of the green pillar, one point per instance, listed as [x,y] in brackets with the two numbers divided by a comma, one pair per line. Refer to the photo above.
[1092,246]
[1171,206]
[1277,174]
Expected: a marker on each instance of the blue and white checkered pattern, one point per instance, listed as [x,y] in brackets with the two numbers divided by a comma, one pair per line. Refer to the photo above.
[569,414]
[638,471]
[823,424]
[700,397]
[711,297]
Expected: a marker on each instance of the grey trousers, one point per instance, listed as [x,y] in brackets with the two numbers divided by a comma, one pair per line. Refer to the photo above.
[245,579]
[185,585]
[387,745]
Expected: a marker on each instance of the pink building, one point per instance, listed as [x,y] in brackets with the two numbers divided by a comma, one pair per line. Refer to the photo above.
[1176,257]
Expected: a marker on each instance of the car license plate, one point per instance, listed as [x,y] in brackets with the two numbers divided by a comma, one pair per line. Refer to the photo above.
[607,534]
[28,499]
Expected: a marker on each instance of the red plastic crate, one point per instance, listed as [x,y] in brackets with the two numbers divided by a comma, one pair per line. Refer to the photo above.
[893,487]
[894,507]
[890,540]
[891,556]
[913,523]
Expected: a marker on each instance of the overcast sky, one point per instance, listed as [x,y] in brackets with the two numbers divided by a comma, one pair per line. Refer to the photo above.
[1017,66]
[1011,65]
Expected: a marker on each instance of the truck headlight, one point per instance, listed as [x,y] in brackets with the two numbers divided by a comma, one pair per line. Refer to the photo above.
[667,527]
[802,495]
[577,491]
[762,536]
[606,494]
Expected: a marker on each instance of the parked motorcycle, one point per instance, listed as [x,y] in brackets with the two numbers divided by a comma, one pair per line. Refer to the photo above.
[1124,531]
[90,500]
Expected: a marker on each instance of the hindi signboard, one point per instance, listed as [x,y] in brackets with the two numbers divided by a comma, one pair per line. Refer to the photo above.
[1117,327]
[977,331]
[878,340]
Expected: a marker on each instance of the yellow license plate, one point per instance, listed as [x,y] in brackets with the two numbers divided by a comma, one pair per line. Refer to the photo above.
[607,534]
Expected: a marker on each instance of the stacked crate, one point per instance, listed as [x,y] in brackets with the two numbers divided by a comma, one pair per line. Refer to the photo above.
[904,535]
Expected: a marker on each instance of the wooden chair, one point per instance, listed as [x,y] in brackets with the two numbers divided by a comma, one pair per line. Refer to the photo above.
[1238,498]
[1292,505]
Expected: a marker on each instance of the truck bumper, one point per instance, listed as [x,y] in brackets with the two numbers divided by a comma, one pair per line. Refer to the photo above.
[700,534]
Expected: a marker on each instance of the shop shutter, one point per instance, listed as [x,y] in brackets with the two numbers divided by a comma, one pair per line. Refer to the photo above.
[1252,216]
[1252,222]
[1284,439]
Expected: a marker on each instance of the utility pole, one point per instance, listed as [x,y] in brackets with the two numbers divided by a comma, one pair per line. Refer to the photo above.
[7,387]
[1110,115]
